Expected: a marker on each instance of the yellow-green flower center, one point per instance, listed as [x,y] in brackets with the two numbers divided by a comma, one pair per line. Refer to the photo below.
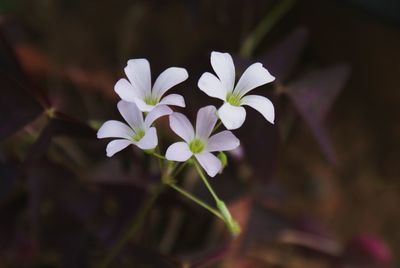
[233,99]
[138,135]
[196,146]
[151,101]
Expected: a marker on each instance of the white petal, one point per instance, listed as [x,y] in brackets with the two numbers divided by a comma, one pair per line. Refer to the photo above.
[138,72]
[131,113]
[167,79]
[254,76]
[232,116]
[178,151]
[144,107]
[157,112]
[205,122]
[149,140]
[116,145]
[212,86]
[209,162]
[223,141]
[126,91]
[181,125]
[173,99]
[115,129]
[222,64]
[261,104]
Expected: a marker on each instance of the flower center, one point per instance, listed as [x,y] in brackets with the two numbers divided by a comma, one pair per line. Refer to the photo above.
[138,135]
[150,101]
[233,99]
[196,146]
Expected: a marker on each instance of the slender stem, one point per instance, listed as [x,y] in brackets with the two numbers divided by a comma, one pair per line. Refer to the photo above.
[266,24]
[204,178]
[135,226]
[159,156]
[218,125]
[197,201]
[160,164]
[178,169]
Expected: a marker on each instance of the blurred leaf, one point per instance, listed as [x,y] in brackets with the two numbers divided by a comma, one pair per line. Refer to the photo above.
[317,243]
[264,225]
[17,106]
[12,65]
[368,249]
[265,25]
[283,57]
[60,125]
[313,95]
[8,176]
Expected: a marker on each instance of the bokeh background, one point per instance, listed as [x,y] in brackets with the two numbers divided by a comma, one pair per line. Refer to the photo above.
[320,188]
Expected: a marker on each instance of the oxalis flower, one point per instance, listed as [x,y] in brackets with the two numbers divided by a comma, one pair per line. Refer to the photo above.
[138,131]
[199,143]
[231,113]
[138,89]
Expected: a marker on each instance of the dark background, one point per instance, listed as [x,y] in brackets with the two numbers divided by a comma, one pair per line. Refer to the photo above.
[320,188]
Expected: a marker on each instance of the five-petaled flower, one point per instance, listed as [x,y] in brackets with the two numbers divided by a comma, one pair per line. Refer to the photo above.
[139,90]
[223,87]
[199,143]
[138,131]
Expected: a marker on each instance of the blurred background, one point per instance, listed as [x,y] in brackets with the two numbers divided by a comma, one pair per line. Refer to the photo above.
[320,188]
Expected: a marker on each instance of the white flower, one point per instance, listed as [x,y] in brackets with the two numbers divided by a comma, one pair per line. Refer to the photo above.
[137,131]
[223,87]
[138,89]
[199,143]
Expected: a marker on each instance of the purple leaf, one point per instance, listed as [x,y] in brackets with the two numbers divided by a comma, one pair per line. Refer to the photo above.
[62,125]
[10,62]
[281,59]
[313,95]
[17,106]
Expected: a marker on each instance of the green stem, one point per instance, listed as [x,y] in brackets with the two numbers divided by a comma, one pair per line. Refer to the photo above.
[230,222]
[160,164]
[159,156]
[178,169]
[204,178]
[217,126]
[135,226]
[266,24]
[197,201]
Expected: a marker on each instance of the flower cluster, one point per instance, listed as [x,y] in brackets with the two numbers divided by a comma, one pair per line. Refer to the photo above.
[139,97]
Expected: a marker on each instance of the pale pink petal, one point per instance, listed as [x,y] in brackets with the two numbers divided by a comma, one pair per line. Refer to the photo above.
[181,125]
[149,140]
[223,141]
[115,129]
[254,76]
[205,122]
[138,72]
[223,66]
[212,86]
[232,116]
[167,79]
[126,91]
[131,113]
[116,145]
[178,151]
[173,99]
[209,162]
[262,105]
[157,112]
